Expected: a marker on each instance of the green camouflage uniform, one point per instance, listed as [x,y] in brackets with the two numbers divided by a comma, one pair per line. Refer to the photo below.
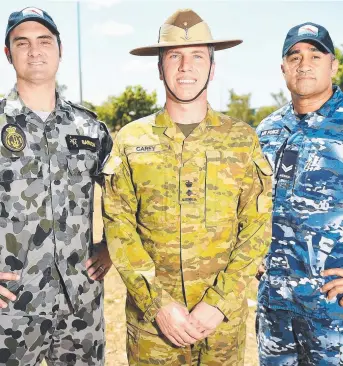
[47,175]
[187,220]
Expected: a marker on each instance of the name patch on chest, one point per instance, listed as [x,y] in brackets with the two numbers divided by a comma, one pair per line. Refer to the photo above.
[77,142]
[145,148]
[273,132]
[288,164]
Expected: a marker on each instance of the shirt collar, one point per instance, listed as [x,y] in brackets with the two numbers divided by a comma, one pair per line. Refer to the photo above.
[15,106]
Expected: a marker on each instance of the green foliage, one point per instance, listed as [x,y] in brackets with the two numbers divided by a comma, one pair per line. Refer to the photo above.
[132,104]
[338,79]
[239,107]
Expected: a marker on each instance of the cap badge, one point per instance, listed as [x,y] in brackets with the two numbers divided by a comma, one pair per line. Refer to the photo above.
[33,11]
[186,31]
[308,30]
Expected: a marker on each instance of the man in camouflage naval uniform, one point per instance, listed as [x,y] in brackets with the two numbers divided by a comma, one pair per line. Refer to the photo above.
[300,319]
[187,203]
[51,152]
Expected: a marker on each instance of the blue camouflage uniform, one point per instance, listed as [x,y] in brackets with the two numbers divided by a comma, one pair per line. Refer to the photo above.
[306,153]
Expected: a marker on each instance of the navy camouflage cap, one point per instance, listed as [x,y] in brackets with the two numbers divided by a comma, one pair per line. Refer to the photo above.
[308,32]
[30,14]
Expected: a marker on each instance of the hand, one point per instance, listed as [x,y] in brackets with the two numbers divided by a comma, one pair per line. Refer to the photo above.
[334,287]
[205,318]
[260,271]
[173,323]
[99,264]
[4,292]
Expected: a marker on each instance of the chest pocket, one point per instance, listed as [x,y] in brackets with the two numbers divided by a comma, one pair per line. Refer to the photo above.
[222,188]
[22,189]
[322,177]
[81,169]
[154,176]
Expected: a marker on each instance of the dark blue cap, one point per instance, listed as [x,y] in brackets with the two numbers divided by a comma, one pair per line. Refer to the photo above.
[30,14]
[308,32]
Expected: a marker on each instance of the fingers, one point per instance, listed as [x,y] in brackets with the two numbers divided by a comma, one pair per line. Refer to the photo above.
[97,271]
[174,341]
[7,276]
[334,292]
[194,332]
[90,262]
[5,293]
[332,272]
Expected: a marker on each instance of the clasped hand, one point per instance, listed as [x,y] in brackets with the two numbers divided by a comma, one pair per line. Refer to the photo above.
[183,328]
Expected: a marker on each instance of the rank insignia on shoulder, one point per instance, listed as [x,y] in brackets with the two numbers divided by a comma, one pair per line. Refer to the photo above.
[13,137]
[77,142]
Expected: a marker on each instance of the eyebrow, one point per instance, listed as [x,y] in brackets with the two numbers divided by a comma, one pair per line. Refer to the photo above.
[313,49]
[178,52]
[15,39]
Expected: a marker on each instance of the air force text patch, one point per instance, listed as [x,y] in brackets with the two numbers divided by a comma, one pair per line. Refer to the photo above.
[287,166]
[273,132]
[13,137]
[77,142]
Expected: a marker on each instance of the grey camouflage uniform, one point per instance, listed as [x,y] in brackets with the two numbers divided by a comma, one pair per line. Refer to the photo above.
[46,194]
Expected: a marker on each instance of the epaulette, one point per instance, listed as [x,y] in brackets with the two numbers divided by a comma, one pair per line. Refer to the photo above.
[82,108]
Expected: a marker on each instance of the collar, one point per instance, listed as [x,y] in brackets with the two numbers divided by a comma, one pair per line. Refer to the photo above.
[15,106]
[163,120]
[326,110]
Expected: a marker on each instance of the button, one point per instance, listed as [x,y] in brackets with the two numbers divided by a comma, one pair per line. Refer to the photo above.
[189,192]
[188,183]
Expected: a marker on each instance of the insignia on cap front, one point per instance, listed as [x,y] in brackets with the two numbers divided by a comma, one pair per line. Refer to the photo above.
[32,11]
[13,138]
[308,30]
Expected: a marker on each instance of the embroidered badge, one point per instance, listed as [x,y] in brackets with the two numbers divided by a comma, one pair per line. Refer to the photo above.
[13,138]
[288,164]
[145,148]
[77,142]
[273,132]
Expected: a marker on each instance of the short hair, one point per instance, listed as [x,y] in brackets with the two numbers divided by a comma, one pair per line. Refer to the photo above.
[210,51]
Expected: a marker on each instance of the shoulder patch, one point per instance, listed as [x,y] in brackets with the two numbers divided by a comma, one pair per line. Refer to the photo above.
[82,108]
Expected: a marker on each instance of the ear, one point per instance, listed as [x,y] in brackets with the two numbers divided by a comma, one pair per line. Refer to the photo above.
[334,67]
[8,54]
[213,67]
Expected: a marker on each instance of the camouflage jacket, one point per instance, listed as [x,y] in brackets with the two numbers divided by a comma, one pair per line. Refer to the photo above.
[186,219]
[307,156]
[47,174]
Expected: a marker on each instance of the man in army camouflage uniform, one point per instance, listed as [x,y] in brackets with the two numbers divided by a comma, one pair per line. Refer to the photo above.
[51,152]
[300,318]
[187,203]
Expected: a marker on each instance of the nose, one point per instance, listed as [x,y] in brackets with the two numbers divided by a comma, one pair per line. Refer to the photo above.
[305,65]
[186,64]
[34,50]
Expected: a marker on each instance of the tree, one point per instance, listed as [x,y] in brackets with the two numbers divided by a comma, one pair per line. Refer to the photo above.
[279,98]
[261,113]
[239,107]
[134,103]
[338,79]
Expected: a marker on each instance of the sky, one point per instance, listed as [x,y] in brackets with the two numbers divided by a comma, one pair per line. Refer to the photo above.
[111,28]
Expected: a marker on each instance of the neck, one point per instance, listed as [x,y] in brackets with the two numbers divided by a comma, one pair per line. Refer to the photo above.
[306,104]
[187,113]
[38,97]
